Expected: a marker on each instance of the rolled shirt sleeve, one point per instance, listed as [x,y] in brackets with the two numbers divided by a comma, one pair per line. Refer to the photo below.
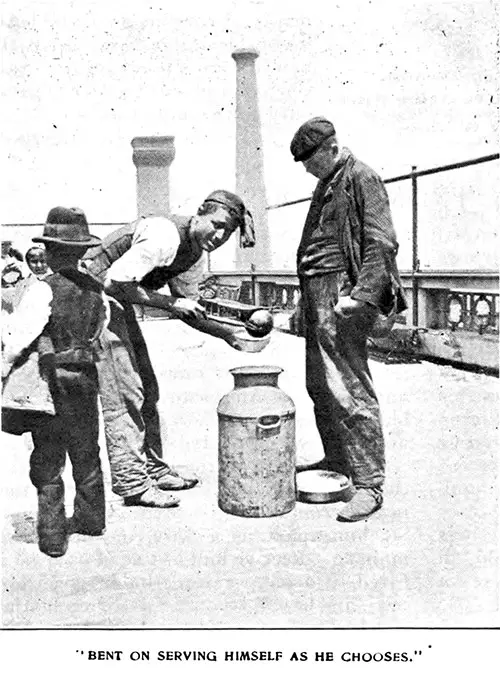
[154,244]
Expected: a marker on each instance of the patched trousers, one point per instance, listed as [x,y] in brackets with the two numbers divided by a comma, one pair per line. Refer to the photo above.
[129,394]
[340,385]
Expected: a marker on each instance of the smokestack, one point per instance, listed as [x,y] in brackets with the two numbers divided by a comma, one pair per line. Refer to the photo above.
[250,159]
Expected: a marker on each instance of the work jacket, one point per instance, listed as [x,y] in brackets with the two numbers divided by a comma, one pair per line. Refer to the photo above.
[353,204]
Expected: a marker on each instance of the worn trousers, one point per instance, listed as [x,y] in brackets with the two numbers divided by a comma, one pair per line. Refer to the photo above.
[129,394]
[339,383]
[74,431]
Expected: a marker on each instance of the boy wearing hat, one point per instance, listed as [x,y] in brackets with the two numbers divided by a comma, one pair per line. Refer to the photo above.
[69,309]
[346,263]
[135,263]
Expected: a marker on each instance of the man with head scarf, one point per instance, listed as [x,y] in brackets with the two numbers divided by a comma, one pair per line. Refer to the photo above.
[134,264]
[346,263]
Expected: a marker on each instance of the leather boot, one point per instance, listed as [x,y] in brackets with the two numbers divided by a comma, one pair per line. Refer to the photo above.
[89,511]
[51,525]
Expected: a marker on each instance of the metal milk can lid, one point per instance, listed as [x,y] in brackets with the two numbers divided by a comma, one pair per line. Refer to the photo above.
[256,393]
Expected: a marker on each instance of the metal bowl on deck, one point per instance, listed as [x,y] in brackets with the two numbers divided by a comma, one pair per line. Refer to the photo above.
[322,486]
[250,344]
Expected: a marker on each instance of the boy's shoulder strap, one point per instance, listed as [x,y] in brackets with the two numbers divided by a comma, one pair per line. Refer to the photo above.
[83,280]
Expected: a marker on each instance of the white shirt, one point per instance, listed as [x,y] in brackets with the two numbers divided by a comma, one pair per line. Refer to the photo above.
[21,327]
[155,243]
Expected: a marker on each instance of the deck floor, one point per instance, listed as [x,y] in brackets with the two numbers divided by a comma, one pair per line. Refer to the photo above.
[429,558]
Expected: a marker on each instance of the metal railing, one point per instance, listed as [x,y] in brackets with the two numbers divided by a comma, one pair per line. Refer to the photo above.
[457,299]
[461,300]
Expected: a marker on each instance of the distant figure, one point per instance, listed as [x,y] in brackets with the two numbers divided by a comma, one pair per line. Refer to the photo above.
[69,309]
[12,265]
[346,263]
[36,259]
[10,253]
[25,274]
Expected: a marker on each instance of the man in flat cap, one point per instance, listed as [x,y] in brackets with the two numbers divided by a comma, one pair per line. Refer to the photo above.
[135,263]
[346,263]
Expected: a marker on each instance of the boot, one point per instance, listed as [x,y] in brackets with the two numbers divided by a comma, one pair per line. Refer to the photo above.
[89,511]
[51,525]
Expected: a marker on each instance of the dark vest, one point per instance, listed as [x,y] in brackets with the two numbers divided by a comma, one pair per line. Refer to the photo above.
[76,317]
[99,259]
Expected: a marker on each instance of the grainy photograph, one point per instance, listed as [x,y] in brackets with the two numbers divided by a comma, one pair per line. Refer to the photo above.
[250,321]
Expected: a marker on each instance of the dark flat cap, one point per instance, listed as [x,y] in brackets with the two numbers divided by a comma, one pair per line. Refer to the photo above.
[310,136]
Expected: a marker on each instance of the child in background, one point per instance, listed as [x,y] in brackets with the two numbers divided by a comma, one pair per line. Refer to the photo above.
[36,259]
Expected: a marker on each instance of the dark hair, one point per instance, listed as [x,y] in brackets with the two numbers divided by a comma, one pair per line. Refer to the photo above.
[34,248]
[14,252]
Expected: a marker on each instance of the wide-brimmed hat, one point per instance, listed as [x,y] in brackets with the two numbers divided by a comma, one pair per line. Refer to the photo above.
[67,227]
[310,136]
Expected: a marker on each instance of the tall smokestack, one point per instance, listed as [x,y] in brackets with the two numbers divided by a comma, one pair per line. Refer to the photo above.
[250,159]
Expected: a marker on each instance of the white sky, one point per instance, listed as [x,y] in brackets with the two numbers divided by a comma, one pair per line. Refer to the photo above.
[405,82]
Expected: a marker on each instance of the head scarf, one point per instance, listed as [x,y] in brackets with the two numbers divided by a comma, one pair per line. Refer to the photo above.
[240,215]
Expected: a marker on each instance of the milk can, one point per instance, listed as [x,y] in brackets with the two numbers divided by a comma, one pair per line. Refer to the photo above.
[256,445]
